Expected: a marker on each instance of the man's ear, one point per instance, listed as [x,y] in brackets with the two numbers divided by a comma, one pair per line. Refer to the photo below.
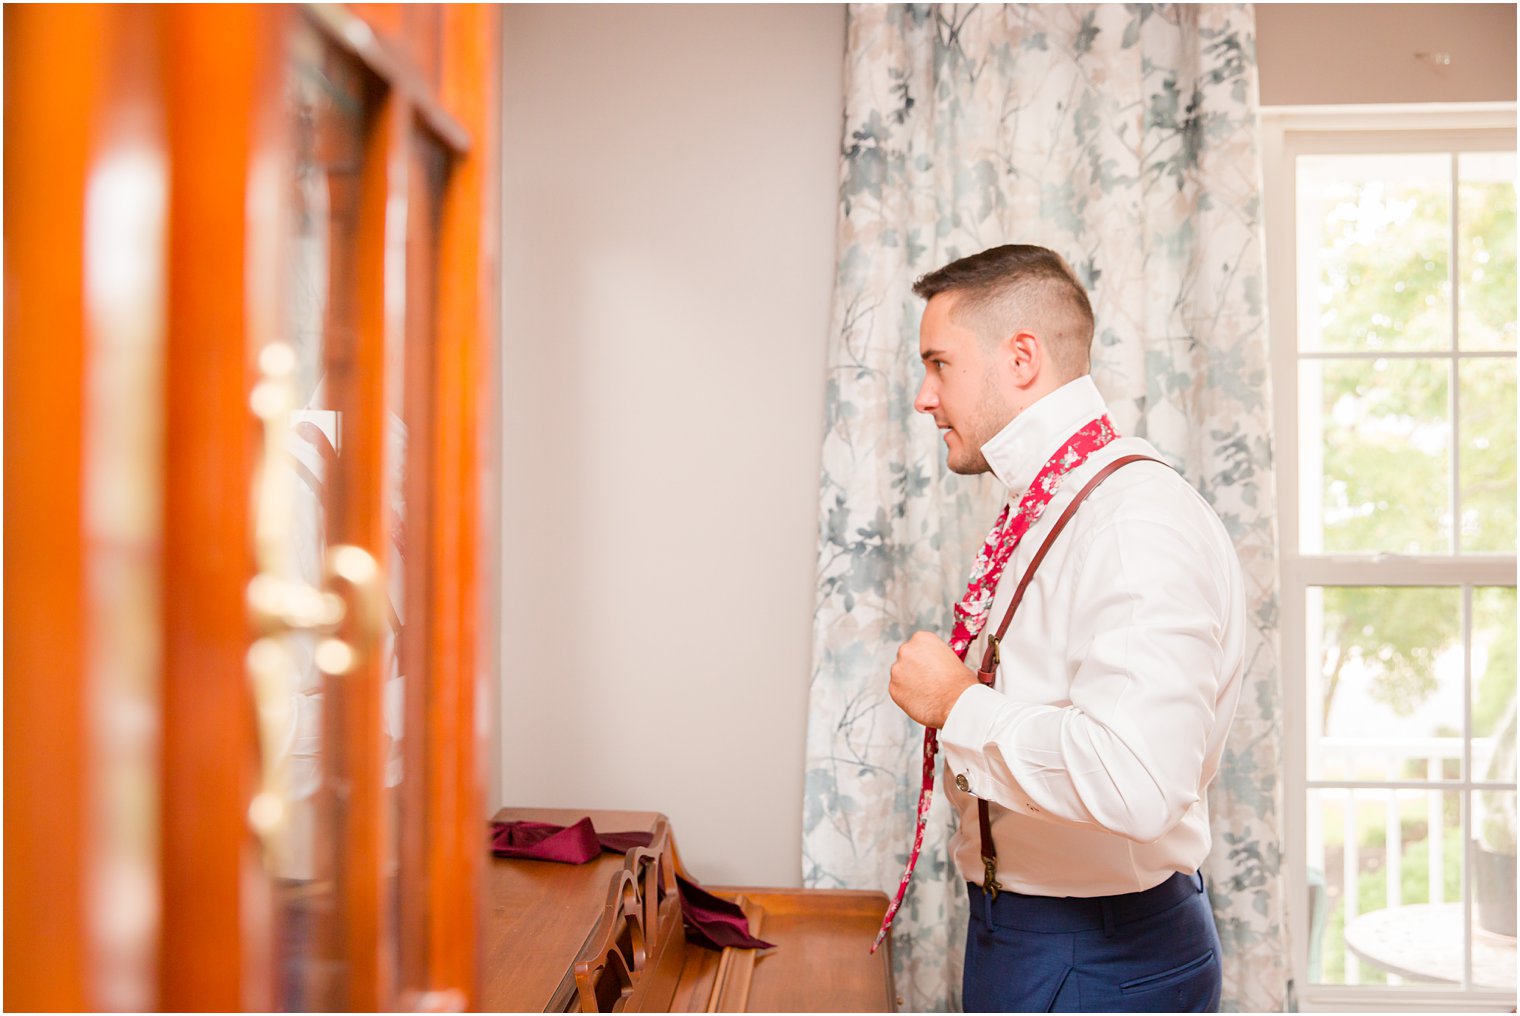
[1026,357]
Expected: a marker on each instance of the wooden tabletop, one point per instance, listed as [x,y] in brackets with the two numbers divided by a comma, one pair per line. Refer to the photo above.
[823,962]
[542,911]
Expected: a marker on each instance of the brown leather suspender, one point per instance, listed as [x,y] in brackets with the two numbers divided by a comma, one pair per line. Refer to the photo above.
[993,655]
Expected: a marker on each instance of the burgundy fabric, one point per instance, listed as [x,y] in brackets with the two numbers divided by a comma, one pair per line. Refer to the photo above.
[540,841]
[621,843]
[711,921]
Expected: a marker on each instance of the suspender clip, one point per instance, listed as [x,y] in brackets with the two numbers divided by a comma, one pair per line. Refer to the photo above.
[990,886]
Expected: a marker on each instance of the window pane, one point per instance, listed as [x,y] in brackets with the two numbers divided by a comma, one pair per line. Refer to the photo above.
[1493,825]
[1374,239]
[1493,669]
[330,110]
[1385,696]
[1384,893]
[1488,455]
[410,696]
[1375,456]
[1486,251]
[1494,880]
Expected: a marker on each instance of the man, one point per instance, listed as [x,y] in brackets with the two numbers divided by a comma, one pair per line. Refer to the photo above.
[1115,682]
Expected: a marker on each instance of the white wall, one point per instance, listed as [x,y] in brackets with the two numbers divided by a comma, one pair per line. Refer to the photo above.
[1311,54]
[669,214]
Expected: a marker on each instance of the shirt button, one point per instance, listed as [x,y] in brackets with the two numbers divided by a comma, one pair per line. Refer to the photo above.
[961,783]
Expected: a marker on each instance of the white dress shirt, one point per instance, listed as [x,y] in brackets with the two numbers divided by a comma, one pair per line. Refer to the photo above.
[1118,678]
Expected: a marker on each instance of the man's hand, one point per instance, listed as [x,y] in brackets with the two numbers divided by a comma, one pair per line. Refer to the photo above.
[928,678]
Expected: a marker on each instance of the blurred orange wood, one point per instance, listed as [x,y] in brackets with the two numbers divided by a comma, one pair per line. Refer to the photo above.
[221,84]
[55,57]
[423,26]
[223,87]
[429,166]
[387,20]
[466,314]
[357,379]
[392,55]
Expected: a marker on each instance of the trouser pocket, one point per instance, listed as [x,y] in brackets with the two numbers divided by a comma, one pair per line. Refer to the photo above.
[1193,986]
[1166,977]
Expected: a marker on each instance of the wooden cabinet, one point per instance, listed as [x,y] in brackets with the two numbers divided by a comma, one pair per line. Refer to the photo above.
[250,351]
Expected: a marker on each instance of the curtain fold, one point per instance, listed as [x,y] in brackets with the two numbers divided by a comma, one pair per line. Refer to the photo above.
[1123,137]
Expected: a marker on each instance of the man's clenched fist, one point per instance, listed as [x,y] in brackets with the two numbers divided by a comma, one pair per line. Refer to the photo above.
[928,678]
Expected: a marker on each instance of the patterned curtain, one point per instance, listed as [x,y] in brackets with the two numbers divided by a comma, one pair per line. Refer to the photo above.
[1123,137]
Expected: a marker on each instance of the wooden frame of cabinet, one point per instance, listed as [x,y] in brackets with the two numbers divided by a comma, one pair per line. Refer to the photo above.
[199,88]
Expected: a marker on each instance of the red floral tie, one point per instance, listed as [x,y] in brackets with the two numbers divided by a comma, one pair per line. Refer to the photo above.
[972,611]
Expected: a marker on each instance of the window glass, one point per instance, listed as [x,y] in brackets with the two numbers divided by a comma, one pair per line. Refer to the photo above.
[1493,670]
[1487,455]
[330,110]
[1494,884]
[1384,891]
[1375,456]
[1405,269]
[1374,245]
[1385,698]
[1486,249]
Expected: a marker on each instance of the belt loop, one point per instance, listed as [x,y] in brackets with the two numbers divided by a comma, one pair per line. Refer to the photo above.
[981,900]
[1109,924]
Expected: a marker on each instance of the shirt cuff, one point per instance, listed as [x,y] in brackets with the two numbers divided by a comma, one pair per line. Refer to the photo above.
[966,732]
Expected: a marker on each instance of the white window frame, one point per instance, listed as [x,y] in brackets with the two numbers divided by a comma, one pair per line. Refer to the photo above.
[1287,132]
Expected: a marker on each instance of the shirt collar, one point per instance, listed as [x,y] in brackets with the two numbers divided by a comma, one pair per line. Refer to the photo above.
[1017,452]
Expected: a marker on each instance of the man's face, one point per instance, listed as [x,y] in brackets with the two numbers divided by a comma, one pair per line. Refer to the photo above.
[960,388]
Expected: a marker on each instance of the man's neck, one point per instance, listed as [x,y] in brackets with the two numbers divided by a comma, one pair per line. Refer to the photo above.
[1017,451]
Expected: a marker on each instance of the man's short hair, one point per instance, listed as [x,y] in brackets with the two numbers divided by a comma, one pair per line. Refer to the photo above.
[1020,285]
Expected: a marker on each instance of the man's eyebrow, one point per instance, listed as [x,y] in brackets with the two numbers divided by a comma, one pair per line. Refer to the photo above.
[930,354]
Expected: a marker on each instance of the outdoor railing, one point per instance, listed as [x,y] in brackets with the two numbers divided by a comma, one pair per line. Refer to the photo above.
[1363,764]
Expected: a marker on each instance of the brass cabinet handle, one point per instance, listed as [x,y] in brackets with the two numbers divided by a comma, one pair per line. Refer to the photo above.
[280,602]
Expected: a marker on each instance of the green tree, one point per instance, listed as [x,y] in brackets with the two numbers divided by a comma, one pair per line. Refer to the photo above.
[1384,285]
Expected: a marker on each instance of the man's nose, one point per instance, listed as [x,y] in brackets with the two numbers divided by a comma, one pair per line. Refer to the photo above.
[928,398]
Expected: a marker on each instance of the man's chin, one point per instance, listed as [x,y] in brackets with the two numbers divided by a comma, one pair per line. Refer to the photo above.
[974,468]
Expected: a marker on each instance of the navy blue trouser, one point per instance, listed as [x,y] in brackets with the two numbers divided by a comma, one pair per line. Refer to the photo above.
[1152,951]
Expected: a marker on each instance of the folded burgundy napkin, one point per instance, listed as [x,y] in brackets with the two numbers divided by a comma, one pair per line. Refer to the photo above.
[711,921]
[540,841]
